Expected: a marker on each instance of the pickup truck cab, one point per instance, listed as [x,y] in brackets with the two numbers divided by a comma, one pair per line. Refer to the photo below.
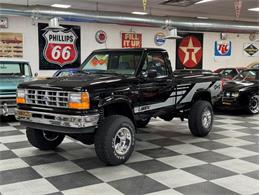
[117,91]
[12,72]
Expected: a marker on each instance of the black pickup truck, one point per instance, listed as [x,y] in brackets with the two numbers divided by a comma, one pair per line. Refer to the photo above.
[115,92]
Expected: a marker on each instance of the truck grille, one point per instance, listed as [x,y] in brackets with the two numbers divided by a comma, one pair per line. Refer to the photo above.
[47,98]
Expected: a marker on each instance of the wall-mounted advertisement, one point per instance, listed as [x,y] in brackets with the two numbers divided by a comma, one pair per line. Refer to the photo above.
[131,40]
[59,49]
[11,45]
[189,51]
[251,49]
[223,48]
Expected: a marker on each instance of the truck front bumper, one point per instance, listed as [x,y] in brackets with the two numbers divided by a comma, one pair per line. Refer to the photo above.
[7,106]
[58,122]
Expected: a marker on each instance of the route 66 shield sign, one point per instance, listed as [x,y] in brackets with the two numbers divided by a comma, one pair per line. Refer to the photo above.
[60,47]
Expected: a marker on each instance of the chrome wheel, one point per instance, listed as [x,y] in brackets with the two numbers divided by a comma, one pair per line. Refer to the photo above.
[253,104]
[122,141]
[50,136]
[206,118]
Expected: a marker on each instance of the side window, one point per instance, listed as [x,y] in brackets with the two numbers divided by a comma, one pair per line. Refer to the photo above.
[155,61]
[27,71]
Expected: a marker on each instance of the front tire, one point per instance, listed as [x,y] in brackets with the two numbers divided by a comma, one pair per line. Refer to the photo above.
[115,140]
[253,104]
[201,118]
[44,140]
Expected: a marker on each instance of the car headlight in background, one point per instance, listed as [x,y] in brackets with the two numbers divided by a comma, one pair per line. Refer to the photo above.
[235,94]
[20,96]
[79,100]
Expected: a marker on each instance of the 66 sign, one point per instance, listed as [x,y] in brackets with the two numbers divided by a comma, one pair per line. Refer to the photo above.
[60,47]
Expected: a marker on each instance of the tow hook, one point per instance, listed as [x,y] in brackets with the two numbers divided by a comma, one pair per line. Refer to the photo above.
[5,109]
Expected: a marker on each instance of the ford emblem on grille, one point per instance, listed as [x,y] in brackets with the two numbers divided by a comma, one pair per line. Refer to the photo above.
[45,98]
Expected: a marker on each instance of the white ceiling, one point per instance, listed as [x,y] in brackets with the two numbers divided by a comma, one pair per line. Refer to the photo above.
[217,9]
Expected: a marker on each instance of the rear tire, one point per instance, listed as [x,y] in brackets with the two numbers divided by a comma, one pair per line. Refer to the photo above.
[253,104]
[44,140]
[115,140]
[201,118]
[143,122]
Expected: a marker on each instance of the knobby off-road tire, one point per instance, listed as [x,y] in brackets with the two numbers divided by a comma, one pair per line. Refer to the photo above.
[253,104]
[143,122]
[201,118]
[44,140]
[115,140]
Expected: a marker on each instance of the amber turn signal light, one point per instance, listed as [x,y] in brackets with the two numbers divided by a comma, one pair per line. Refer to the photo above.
[20,100]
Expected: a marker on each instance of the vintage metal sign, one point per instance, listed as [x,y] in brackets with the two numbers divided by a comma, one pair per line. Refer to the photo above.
[59,49]
[159,39]
[189,51]
[131,40]
[101,36]
[223,48]
[251,50]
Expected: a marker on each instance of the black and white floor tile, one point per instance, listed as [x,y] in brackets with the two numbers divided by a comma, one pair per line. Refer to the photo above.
[167,160]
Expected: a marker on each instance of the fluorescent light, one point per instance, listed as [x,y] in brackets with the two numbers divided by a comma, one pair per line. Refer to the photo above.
[202,17]
[139,13]
[61,5]
[256,9]
[204,1]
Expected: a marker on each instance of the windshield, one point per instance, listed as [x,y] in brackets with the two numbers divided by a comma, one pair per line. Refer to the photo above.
[228,73]
[14,68]
[248,75]
[124,63]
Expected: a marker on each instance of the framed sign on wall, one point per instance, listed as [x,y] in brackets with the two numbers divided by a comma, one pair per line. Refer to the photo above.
[189,51]
[11,45]
[59,49]
[131,40]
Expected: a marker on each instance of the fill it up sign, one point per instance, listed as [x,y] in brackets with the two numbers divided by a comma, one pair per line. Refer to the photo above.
[59,49]
[131,40]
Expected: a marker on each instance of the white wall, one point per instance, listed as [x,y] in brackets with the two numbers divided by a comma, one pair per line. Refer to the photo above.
[88,43]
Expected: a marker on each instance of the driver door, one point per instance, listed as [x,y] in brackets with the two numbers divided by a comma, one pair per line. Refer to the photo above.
[154,92]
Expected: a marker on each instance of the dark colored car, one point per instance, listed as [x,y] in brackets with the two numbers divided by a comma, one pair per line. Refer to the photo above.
[228,73]
[192,71]
[242,92]
[66,72]
[116,91]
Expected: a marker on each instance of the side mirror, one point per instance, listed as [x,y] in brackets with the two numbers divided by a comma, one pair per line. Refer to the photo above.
[152,73]
[36,74]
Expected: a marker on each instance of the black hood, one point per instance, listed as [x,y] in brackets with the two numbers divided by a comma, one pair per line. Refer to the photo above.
[74,82]
[238,85]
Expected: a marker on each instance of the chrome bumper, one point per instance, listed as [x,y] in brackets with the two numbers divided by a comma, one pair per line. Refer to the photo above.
[60,120]
[6,109]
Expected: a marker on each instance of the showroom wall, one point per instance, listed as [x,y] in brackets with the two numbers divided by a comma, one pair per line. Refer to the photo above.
[88,43]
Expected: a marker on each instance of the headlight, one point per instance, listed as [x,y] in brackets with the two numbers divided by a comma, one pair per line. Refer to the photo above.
[235,94]
[79,100]
[20,96]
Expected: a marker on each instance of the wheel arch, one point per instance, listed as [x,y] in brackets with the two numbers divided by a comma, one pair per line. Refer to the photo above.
[202,95]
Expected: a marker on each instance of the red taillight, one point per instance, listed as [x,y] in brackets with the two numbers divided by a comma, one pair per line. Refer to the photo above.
[222,84]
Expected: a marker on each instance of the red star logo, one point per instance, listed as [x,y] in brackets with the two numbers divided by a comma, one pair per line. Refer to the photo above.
[190,51]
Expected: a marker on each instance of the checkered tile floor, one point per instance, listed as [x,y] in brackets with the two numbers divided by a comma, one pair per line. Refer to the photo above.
[167,160]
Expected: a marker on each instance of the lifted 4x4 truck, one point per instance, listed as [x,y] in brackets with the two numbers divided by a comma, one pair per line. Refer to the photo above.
[116,91]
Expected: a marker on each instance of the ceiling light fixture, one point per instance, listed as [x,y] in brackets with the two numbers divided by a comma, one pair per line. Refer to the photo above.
[202,17]
[204,1]
[61,5]
[140,13]
[256,9]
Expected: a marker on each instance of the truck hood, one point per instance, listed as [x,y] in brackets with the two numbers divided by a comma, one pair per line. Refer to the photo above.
[237,85]
[11,83]
[74,82]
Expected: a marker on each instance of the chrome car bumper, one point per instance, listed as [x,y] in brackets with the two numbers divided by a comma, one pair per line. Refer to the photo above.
[57,120]
[6,109]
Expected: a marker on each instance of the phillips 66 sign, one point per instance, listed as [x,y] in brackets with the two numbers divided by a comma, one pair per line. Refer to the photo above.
[59,49]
